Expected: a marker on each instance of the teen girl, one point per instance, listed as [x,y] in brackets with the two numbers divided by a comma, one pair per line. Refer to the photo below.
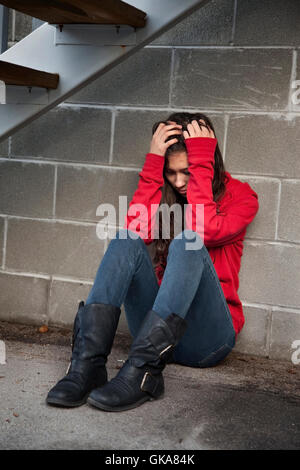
[181,306]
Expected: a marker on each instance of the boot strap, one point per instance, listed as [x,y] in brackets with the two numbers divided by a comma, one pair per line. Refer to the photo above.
[165,353]
[149,383]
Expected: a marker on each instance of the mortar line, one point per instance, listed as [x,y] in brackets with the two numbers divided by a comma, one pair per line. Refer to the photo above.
[49,287]
[218,46]
[13,26]
[271,307]
[292,79]
[269,332]
[171,76]
[47,277]
[265,241]
[5,228]
[63,221]
[278,210]
[233,22]
[226,124]
[112,135]
[261,112]
[248,240]
[54,191]
[265,176]
[9,146]
[138,169]
[71,164]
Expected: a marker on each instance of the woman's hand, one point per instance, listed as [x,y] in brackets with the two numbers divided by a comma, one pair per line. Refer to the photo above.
[196,130]
[158,142]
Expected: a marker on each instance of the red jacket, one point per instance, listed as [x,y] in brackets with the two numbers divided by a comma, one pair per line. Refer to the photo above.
[225,222]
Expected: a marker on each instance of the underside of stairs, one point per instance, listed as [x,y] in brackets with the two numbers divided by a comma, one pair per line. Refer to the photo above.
[79,41]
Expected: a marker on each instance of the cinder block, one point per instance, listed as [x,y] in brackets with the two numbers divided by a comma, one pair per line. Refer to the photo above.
[23,26]
[232,79]
[23,298]
[211,24]
[81,190]
[271,22]
[263,145]
[285,331]
[26,188]
[133,134]
[264,224]
[254,335]
[51,247]
[1,238]
[289,214]
[71,134]
[4,148]
[142,79]
[270,274]
[64,299]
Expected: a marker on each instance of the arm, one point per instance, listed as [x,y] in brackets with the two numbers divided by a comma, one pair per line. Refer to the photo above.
[147,193]
[142,209]
[220,228]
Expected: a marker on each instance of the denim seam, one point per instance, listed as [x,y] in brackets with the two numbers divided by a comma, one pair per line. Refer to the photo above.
[218,283]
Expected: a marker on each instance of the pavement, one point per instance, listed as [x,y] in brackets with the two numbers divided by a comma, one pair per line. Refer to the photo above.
[246,402]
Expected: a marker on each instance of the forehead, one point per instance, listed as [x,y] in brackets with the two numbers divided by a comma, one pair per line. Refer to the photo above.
[177,160]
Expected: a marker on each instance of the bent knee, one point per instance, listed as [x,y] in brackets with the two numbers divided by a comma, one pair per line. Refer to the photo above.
[188,240]
[127,238]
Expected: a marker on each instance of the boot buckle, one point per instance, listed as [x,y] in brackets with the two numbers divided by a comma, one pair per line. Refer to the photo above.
[144,380]
[165,351]
[149,383]
[152,384]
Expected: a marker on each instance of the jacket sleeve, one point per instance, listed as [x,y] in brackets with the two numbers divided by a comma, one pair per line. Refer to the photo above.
[219,228]
[140,217]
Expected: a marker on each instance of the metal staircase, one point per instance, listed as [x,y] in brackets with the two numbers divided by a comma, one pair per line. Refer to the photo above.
[81,40]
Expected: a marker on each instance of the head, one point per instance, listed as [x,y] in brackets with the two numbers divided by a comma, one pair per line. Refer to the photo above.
[176,176]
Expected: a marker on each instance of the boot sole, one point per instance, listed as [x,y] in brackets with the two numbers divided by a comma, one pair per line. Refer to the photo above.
[65,404]
[101,406]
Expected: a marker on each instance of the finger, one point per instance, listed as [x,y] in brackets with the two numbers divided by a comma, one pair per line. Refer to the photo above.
[166,134]
[197,128]
[204,130]
[186,135]
[212,134]
[170,142]
[159,128]
[210,131]
[191,130]
[166,128]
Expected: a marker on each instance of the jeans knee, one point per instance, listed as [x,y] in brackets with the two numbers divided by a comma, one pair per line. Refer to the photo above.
[188,240]
[127,238]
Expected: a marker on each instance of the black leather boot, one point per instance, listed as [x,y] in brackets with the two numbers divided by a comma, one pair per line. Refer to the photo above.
[93,334]
[140,379]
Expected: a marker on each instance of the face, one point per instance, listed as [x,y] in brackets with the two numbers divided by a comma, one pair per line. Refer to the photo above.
[177,171]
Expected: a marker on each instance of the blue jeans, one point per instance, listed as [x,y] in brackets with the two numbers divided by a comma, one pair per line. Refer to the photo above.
[190,288]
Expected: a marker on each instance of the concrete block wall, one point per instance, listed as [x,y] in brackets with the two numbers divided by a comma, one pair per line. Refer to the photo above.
[236,61]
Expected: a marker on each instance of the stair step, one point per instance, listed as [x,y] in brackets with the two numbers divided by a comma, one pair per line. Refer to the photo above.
[78,66]
[13,74]
[80,11]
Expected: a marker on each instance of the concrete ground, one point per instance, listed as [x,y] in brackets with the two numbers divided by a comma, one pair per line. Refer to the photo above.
[246,402]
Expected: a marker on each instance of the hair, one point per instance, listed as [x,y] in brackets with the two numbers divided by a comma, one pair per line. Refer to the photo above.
[169,195]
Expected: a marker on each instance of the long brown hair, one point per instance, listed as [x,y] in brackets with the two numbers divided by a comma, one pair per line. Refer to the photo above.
[169,195]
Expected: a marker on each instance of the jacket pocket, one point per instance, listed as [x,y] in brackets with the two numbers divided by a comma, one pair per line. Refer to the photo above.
[215,357]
